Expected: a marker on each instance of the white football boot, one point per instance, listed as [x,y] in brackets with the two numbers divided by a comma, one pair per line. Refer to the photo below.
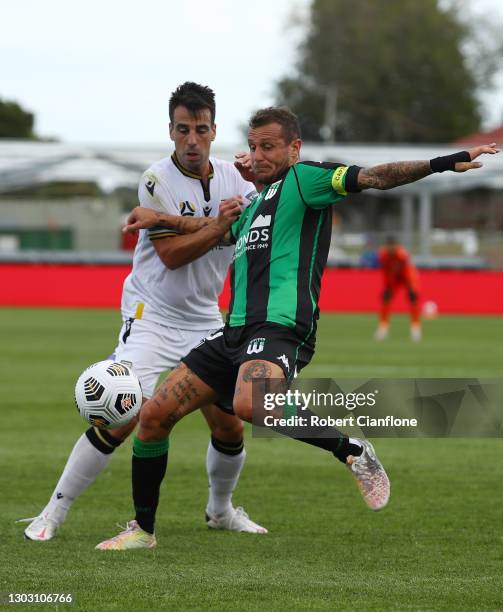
[234,520]
[41,528]
[370,476]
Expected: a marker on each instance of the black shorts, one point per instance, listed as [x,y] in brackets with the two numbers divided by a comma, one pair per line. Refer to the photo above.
[217,359]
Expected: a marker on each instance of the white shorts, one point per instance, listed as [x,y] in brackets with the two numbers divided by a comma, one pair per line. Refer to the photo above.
[151,349]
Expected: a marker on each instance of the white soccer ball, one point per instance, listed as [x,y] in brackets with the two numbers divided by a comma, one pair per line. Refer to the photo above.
[430,310]
[108,394]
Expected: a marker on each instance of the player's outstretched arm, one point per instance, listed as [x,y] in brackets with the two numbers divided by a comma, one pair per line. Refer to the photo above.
[387,176]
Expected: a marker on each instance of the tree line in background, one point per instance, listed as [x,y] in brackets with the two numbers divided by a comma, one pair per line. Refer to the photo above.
[389,71]
[15,122]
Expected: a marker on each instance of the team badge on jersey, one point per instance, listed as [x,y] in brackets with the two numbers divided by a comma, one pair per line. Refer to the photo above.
[271,192]
[187,209]
[207,211]
[256,346]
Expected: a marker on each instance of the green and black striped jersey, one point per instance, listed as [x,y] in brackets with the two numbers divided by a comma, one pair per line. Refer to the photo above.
[282,241]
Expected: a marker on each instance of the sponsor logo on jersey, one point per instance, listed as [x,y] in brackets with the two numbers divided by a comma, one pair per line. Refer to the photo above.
[261,221]
[256,346]
[206,211]
[150,183]
[257,236]
[187,209]
[271,192]
[284,360]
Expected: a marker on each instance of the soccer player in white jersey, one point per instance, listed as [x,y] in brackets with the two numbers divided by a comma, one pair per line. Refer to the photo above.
[169,303]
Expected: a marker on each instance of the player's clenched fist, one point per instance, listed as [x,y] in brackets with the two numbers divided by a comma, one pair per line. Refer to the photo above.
[229,211]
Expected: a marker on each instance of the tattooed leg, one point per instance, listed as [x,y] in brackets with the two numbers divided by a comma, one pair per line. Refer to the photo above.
[257,377]
[181,393]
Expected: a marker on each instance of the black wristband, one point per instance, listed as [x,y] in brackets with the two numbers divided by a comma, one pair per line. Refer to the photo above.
[448,162]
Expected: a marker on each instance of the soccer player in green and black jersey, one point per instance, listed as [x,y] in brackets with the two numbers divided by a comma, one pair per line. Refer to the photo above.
[281,247]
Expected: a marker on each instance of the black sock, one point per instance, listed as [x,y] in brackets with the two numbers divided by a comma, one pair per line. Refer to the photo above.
[325,437]
[102,440]
[228,448]
[341,447]
[150,460]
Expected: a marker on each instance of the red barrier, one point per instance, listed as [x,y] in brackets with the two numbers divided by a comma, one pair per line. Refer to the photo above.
[64,285]
[347,290]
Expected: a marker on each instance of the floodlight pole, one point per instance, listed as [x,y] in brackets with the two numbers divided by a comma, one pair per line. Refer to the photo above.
[327,130]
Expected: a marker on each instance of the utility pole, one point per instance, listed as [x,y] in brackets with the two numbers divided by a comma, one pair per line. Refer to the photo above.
[327,130]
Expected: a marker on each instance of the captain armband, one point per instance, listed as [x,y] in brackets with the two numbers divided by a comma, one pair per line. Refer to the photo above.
[345,180]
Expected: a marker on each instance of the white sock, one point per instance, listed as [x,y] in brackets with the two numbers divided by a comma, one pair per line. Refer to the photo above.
[223,474]
[82,467]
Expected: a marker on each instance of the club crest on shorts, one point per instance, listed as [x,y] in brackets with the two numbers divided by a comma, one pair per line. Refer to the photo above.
[256,346]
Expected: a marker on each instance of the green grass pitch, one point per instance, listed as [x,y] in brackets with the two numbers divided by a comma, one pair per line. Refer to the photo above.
[438,545]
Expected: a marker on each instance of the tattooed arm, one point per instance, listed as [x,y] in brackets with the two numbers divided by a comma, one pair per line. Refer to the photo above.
[192,237]
[145,218]
[387,176]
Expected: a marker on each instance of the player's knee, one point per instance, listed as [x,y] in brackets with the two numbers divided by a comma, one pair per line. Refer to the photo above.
[155,423]
[121,433]
[243,408]
[386,295]
[230,429]
[412,296]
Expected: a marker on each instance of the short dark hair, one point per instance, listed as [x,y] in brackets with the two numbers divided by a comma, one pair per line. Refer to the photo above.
[194,97]
[277,114]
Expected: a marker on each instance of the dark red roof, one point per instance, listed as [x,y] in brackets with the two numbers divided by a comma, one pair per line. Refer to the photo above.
[483,137]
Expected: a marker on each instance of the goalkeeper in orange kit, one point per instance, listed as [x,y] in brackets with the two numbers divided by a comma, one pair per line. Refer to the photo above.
[398,271]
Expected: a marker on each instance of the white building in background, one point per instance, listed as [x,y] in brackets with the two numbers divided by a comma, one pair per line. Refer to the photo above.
[93,223]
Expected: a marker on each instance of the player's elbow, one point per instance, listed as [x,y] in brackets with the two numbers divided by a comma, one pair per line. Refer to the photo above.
[171,261]
[173,265]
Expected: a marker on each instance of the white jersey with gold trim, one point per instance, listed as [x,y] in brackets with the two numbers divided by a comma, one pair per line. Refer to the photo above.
[186,297]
